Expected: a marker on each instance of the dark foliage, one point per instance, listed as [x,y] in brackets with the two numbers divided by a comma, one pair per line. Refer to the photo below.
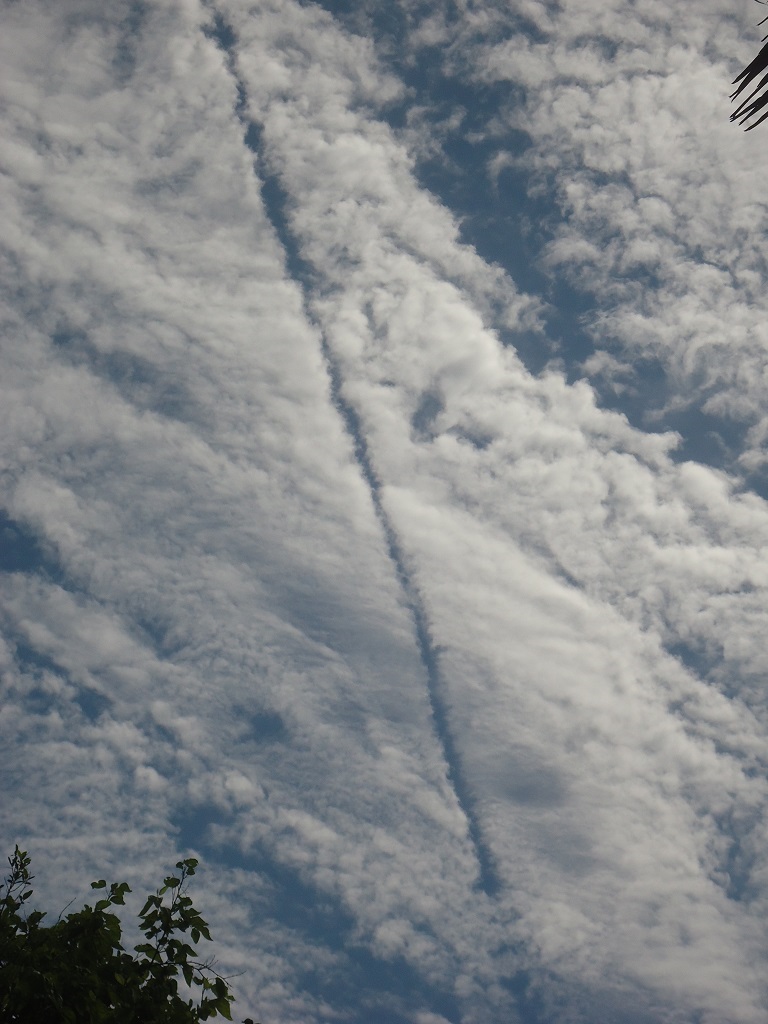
[758,98]
[76,971]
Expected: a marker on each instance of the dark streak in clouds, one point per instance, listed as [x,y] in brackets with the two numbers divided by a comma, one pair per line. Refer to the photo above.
[134,377]
[22,551]
[130,31]
[35,665]
[276,202]
[428,652]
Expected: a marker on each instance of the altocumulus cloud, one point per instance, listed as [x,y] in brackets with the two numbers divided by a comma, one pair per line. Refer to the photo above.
[382,506]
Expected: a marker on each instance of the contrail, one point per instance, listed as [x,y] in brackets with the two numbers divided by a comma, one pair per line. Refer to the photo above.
[275,201]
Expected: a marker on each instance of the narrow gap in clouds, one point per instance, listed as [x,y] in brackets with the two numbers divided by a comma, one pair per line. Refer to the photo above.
[39,699]
[528,999]
[31,663]
[135,378]
[21,551]
[429,655]
[224,36]
[366,984]
[130,28]
[275,202]
[734,872]
[739,862]
[741,887]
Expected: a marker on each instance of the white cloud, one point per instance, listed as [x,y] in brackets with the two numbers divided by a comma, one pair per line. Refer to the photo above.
[364,631]
[628,118]
[565,456]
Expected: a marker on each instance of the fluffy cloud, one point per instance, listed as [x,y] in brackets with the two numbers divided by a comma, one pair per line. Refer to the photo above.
[452,674]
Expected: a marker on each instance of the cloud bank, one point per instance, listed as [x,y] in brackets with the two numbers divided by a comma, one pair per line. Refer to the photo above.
[382,509]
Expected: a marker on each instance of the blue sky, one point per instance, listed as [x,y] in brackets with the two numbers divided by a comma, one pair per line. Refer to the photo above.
[383,514]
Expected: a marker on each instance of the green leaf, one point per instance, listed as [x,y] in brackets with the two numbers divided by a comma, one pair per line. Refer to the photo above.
[152,901]
[76,971]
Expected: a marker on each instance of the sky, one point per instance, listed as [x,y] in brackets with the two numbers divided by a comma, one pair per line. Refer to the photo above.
[384,495]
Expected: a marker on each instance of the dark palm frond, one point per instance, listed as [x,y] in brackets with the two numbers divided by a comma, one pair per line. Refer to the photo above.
[753,103]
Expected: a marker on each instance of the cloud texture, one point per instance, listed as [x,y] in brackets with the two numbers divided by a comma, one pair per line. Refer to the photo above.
[383,510]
